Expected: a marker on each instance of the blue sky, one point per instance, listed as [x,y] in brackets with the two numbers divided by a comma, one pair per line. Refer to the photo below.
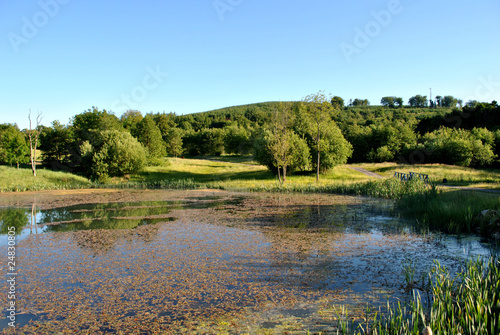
[62,57]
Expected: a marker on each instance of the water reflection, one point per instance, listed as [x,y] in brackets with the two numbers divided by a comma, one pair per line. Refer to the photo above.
[108,216]
[105,216]
[13,217]
[198,266]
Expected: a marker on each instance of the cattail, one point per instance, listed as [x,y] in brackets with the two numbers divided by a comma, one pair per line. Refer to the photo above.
[427,331]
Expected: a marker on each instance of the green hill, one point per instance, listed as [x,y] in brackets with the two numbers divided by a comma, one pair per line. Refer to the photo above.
[259,113]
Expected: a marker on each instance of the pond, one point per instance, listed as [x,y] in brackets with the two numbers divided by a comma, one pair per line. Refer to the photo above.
[203,262]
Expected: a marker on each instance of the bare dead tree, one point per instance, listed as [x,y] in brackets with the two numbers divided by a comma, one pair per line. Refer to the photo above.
[33,135]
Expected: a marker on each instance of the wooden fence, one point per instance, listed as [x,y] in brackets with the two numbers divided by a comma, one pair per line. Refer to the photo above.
[409,176]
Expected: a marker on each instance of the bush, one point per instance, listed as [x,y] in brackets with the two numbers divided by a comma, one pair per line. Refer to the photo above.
[335,149]
[118,154]
[300,157]
[459,147]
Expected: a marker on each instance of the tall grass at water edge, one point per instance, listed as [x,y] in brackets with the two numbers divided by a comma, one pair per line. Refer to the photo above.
[468,303]
[449,212]
[387,188]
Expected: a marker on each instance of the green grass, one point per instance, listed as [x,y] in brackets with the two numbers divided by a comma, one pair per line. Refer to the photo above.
[467,304]
[232,175]
[449,212]
[16,180]
[244,159]
[381,188]
[456,175]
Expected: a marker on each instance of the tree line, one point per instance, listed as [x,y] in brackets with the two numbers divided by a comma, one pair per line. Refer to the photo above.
[314,135]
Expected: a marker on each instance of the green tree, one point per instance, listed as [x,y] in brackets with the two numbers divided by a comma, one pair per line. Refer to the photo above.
[300,155]
[334,148]
[280,142]
[337,102]
[439,101]
[388,102]
[13,146]
[458,147]
[211,142]
[149,135]
[130,119]
[318,112]
[237,140]
[360,137]
[391,102]
[173,142]
[165,122]
[399,102]
[87,124]
[360,103]
[449,101]
[206,142]
[56,143]
[390,141]
[117,154]
[418,101]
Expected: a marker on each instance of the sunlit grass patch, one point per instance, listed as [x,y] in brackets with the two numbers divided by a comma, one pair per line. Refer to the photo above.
[455,175]
[13,179]
[202,171]
[231,175]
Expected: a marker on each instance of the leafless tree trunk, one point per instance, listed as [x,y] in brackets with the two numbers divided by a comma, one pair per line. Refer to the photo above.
[319,152]
[33,135]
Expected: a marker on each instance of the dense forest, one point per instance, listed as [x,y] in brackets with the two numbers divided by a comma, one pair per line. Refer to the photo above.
[314,134]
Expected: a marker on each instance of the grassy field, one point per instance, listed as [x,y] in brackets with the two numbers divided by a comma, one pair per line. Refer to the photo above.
[226,172]
[456,175]
[241,173]
[16,180]
[234,172]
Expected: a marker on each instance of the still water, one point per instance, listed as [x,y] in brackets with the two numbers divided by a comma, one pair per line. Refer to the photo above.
[163,264]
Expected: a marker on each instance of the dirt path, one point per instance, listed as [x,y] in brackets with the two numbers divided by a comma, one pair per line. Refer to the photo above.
[470,189]
[366,172]
[376,175]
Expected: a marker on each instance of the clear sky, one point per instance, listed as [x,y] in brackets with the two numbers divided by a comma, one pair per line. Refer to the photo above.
[62,57]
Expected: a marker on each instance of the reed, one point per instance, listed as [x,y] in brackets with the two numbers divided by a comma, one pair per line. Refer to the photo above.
[449,212]
[467,304]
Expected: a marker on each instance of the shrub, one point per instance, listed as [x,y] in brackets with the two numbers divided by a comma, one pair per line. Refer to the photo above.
[459,147]
[300,156]
[118,154]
